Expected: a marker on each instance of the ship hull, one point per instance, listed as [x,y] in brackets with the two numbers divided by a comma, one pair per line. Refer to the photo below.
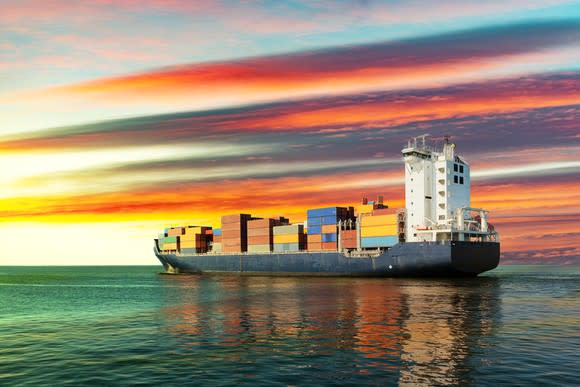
[414,259]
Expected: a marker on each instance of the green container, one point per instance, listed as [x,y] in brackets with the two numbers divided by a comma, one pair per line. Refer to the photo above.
[172,239]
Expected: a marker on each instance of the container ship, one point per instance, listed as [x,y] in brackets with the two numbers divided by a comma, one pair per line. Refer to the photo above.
[437,234]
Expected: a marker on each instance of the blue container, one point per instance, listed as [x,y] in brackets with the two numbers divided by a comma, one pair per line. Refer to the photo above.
[331,237]
[314,229]
[329,220]
[328,211]
[217,231]
[383,241]
[314,221]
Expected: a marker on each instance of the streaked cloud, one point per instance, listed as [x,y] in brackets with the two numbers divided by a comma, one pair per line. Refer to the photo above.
[420,62]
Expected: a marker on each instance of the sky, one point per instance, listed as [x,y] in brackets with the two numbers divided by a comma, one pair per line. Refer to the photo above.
[119,118]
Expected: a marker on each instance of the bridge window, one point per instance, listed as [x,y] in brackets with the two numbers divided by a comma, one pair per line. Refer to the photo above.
[454,167]
[455,179]
[460,179]
[461,169]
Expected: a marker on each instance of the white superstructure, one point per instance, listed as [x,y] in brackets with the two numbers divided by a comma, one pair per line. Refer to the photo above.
[438,195]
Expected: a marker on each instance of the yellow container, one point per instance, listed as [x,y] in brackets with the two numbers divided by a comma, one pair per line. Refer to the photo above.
[187,244]
[379,220]
[365,208]
[374,231]
[170,246]
[286,238]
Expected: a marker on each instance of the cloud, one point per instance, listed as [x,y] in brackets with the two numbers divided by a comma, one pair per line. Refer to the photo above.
[366,63]
[478,112]
[423,62]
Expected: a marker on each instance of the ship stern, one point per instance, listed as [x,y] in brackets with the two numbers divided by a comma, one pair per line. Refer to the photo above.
[473,258]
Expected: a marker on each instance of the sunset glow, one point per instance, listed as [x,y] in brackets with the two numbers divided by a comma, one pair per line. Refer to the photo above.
[129,117]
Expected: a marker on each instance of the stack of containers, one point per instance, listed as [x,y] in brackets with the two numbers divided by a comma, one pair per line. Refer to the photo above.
[379,229]
[322,227]
[235,233]
[289,238]
[261,235]
[348,239]
[195,239]
[171,242]
[217,240]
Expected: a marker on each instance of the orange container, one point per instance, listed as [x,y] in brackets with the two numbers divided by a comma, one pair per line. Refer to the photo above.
[329,246]
[329,229]
[314,246]
[314,238]
[259,231]
[260,240]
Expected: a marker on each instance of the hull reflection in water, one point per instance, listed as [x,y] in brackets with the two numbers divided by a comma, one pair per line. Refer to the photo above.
[335,330]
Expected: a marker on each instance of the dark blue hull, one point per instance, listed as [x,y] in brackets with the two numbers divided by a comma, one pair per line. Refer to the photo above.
[404,259]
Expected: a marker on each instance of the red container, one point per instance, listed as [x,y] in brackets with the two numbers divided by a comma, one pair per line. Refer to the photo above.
[349,244]
[348,234]
[260,240]
[329,246]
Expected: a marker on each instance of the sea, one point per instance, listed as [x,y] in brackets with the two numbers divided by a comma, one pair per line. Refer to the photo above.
[117,326]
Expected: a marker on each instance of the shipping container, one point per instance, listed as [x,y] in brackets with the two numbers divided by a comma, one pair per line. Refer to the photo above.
[259,232]
[379,220]
[195,237]
[328,211]
[234,227]
[314,238]
[170,246]
[193,244]
[289,229]
[329,246]
[328,228]
[259,248]
[217,232]
[217,238]
[176,231]
[376,231]
[265,223]
[314,221]
[170,239]
[235,218]
[282,247]
[312,246]
[314,229]
[374,242]
[348,234]
[331,237]
[349,244]
[384,211]
[232,249]
[260,240]
[287,238]
[331,219]
[217,247]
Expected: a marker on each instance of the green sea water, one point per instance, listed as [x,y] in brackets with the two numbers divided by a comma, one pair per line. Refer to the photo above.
[516,325]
